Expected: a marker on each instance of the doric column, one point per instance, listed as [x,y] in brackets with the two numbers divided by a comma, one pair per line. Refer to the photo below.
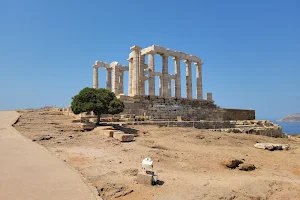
[160,86]
[177,78]
[142,75]
[95,76]
[169,87]
[151,70]
[130,77]
[189,92]
[135,70]
[121,82]
[209,96]
[108,78]
[199,91]
[115,78]
[165,74]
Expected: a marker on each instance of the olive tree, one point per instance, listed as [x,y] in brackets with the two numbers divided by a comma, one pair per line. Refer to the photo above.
[100,101]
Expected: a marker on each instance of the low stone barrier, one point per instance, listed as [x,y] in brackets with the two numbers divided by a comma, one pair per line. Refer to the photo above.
[194,124]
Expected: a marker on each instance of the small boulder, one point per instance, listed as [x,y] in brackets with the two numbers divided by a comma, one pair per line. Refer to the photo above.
[232,164]
[88,126]
[123,137]
[247,167]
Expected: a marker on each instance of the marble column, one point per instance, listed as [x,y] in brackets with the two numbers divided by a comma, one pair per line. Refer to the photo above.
[169,87]
[121,82]
[95,76]
[115,79]
[199,91]
[209,96]
[108,78]
[141,77]
[151,70]
[177,78]
[189,92]
[130,77]
[160,86]
[135,70]
[165,75]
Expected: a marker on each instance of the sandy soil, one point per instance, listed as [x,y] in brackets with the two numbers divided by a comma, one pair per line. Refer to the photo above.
[189,162]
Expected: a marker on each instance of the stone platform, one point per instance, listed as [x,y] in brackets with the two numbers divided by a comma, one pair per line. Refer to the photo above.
[159,108]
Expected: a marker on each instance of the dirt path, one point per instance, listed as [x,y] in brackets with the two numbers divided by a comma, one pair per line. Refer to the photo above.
[188,161]
[28,171]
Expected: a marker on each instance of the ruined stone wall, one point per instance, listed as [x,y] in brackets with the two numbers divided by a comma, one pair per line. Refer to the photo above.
[212,125]
[190,110]
[169,109]
[238,114]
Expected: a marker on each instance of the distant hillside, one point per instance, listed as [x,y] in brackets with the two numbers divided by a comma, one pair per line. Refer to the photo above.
[291,118]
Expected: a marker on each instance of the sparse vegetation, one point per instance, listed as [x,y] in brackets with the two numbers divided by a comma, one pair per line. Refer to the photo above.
[99,101]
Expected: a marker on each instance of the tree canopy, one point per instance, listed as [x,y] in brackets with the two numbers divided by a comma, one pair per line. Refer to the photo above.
[100,101]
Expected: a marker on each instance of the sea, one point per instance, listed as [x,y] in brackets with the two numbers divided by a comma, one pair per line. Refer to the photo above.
[289,127]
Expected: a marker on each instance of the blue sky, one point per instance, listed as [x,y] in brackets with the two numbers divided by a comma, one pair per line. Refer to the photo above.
[251,49]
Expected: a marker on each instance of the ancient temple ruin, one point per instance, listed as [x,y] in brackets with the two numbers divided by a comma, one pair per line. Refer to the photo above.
[138,101]
[139,72]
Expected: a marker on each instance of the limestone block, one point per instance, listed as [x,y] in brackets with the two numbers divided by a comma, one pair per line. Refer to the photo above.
[108,133]
[179,118]
[146,179]
[100,128]
[88,126]
[123,137]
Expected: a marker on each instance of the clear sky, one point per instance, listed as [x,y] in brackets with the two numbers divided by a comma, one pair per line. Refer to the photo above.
[250,49]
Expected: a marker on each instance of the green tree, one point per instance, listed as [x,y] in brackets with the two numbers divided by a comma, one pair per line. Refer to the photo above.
[100,101]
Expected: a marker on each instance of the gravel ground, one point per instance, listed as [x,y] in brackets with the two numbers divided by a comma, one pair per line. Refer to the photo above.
[189,162]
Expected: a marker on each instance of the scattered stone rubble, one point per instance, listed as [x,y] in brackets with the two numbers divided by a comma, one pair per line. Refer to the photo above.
[256,127]
[272,147]
[109,131]
[239,164]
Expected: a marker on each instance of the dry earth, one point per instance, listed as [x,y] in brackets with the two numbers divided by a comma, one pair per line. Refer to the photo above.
[189,162]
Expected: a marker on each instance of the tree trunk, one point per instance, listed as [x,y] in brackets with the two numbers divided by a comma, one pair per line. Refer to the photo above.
[98,120]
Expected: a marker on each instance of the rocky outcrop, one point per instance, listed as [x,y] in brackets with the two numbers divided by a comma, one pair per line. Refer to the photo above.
[291,118]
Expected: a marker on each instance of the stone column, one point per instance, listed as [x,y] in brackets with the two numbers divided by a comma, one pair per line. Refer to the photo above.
[135,70]
[209,96]
[177,78]
[115,79]
[189,92]
[130,77]
[142,75]
[95,76]
[121,82]
[165,75]
[108,78]
[199,91]
[151,70]
[169,87]
[160,86]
